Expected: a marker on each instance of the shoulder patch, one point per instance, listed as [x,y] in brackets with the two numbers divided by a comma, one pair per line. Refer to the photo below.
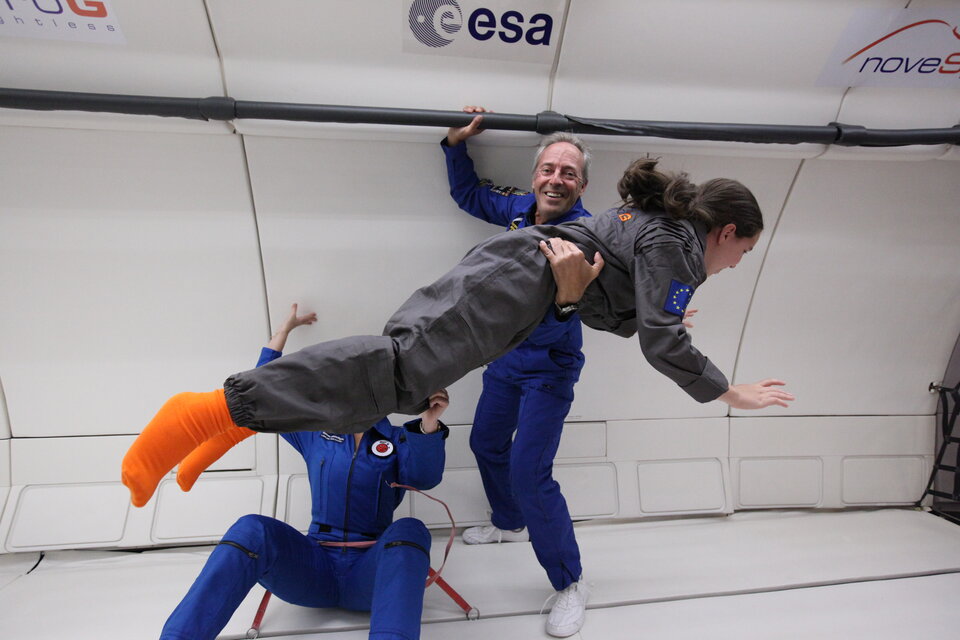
[678,297]
[381,448]
[501,190]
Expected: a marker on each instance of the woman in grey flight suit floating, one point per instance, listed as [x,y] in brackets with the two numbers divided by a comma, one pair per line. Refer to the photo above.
[649,256]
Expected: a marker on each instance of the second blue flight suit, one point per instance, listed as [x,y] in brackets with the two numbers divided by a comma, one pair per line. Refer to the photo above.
[527,392]
[352,502]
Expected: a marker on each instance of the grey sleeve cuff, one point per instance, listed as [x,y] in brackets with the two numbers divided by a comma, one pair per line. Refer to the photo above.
[709,386]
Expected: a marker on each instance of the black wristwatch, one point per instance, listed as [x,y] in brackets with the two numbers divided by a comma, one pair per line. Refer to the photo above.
[565,312]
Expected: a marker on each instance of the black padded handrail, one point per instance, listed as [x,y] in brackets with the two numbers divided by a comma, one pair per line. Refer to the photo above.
[225,108]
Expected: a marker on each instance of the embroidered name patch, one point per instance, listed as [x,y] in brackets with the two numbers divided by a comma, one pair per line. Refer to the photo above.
[502,190]
[678,298]
[330,436]
[381,448]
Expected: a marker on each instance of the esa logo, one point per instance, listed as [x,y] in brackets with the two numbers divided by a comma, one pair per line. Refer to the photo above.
[436,23]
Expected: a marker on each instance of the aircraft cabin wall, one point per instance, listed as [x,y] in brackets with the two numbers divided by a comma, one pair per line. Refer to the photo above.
[143,256]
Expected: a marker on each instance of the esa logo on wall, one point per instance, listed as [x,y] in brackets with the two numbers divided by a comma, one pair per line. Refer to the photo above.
[498,29]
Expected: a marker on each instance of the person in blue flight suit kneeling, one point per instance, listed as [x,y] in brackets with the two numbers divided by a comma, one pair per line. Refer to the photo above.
[528,392]
[352,502]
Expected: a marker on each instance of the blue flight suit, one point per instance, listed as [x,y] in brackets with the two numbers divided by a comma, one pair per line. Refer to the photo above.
[352,501]
[527,392]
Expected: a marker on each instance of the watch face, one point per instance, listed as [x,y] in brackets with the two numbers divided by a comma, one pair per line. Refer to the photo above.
[566,310]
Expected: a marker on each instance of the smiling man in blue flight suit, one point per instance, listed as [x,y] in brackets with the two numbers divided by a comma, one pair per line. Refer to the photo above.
[352,502]
[528,392]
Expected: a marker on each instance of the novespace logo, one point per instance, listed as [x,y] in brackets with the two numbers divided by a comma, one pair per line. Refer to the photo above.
[905,48]
[484,28]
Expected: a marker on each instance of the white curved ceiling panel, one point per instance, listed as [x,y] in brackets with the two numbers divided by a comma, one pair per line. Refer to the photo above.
[352,53]
[858,301]
[131,272]
[699,60]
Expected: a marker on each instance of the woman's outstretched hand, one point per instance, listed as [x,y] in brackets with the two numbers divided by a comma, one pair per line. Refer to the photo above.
[765,393]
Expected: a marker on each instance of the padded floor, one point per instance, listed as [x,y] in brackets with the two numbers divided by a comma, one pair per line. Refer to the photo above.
[887,573]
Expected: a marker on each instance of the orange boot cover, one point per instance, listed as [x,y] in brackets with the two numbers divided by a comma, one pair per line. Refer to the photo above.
[207,453]
[185,422]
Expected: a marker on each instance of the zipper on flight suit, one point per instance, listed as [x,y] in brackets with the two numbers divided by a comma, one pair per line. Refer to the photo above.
[346,502]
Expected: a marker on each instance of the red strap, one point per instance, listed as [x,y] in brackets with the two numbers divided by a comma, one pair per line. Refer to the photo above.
[254,630]
[456,597]
[360,543]
[433,577]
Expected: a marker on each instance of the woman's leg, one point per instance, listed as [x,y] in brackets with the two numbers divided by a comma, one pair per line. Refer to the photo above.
[389,581]
[255,549]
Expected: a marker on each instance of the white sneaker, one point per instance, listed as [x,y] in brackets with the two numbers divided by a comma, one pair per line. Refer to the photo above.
[490,533]
[569,611]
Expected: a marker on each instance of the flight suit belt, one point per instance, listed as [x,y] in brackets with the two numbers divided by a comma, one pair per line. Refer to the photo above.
[326,528]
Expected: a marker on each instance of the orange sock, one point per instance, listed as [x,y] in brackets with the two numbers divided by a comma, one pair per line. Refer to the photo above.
[185,422]
[207,453]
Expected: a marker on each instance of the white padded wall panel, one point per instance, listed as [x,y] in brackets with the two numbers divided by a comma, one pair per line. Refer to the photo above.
[590,489]
[858,304]
[67,516]
[169,51]
[61,476]
[351,53]
[462,490]
[830,462]
[135,274]
[697,60]
[617,382]
[293,504]
[681,486]
[458,451]
[670,467]
[210,508]
[884,479]
[56,460]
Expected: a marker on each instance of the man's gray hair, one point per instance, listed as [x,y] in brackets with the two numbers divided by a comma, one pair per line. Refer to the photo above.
[563,136]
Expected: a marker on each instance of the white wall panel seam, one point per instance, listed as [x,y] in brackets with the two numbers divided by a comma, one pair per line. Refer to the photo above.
[5,430]
[551,80]
[763,261]
[263,284]
[256,229]
[216,47]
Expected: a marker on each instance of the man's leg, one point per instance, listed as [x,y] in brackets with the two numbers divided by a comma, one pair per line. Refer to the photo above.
[545,406]
[389,581]
[491,440]
[256,548]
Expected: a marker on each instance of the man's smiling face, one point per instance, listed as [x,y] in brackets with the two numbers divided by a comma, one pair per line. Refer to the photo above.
[558,180]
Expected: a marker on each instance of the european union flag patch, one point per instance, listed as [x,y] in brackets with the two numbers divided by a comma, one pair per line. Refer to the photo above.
[678,298]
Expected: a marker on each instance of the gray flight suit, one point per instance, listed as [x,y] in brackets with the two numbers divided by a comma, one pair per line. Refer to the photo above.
[481,309]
